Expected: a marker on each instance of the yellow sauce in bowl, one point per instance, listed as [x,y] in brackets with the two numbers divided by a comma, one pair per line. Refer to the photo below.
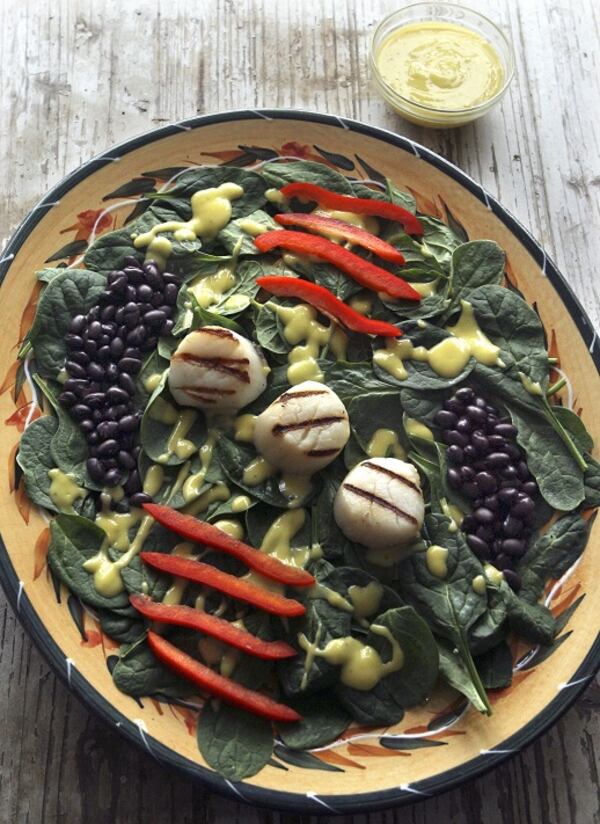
[440,65]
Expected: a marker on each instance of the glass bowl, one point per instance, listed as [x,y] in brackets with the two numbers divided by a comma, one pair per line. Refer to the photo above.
[437,117]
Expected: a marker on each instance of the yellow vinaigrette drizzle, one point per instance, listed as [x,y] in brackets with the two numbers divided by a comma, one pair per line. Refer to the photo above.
[440,65]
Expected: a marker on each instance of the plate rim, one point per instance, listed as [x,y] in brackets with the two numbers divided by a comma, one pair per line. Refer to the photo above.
[93,700]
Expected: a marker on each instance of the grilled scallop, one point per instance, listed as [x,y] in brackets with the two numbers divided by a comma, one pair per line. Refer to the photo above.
[380,504]
[303,430]
[216,369]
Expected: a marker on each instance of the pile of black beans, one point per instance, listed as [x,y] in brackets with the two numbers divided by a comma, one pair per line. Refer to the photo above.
[487,467]
[105,351]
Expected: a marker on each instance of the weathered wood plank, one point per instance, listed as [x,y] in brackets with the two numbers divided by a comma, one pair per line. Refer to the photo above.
[79,75]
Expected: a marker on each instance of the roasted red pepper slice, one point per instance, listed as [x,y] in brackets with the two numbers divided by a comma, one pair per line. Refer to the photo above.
[182,616]
[229,584]
[357,205]
[339,228]
[202,533]
[361,270]
[216,684]
[327,303]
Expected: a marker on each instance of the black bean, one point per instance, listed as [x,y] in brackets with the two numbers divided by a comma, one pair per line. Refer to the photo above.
[109,328]
[469,524]
[470,489]
[132,365]
[479,547]
[108,448]
[452,405]
[168,277]
[109,463]
[479,402]
[114,275]
[128,423]
[470,453]
[464,425]
[512,579]
[522,470]
[120,315]
[103,340]
[96,470]
[91,347]
[509,473]
[529,487]
[87,425]
[454,437]
[490,424]
[134,275]
[480,442]
[145,307]
[454,478]
[491,502]
[126,460]
[496,442]
[455,454]
[156,300]
[130,293]
[112,372]
[115,394]
[75,385]
[502,561]
[140,498]
[98,415]
[445,419]
[137,336]
[465,394]
[167,327]
[121,507]
[93,314]
[67,398]
[119,286]
[467,473]
[498,459]
[77,324]
[512,526]
[108,313]
[486,534]
[476,414]
[81,357]
[117,411]
[168,310]
[153,276]
[94,330]
[512,450]
[149,344]
[513,546]
[95,400]
[127,440]
[126,383]
[486,482]
[133,483]
[507,495]
[104,354]
[524,508]
[74,342]
[491,410]
[95,371]
[144,293]
[116,348]
[484,516]
[108,430]
[154,318]
[113,477]
[132,261]
[507,430]
[170,294]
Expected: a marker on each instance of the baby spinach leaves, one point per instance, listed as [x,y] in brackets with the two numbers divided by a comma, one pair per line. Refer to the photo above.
[277,174]
[234,459]
[70,293]
[139,673]
[235,743]
[478,263]
[323,720]
[235,238]
[159,435]
[35,459]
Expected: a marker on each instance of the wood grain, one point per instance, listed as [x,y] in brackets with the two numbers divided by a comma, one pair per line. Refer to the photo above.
[77,76]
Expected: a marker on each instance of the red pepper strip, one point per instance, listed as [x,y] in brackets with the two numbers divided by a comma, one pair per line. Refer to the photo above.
[357,205]
[215,684]
[229,584]
[191,618]
[359,269]
[322,299]
[202,533]
[339,228]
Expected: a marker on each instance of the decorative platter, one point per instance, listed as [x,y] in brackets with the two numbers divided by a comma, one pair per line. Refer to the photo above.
[438,744]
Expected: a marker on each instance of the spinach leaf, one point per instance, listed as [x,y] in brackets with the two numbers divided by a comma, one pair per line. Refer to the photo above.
[235,743]
[423,405]
[158,423]
[107,252]
[138,673]
[495,667]
[324,274]
[234,458]
[269,333]
[277,174]
[323,720]
[513,326]
[410,685]
[350,379]
[123,625]
[260,519]
[551,554]
[591,480]
[35,459]
[377,410]
[534,622]
[206,177]
[68,294]
[575,427]
[449,605]
[336,547]
[74,540]
[490,628]
[68,446]
[230,236]
[457,675]
[399,197]
[478,263]
[48,274]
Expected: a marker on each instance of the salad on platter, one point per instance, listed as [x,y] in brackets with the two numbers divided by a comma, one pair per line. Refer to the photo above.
[304,454]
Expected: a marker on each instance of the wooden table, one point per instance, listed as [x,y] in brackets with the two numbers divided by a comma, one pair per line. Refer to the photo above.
[77,76]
